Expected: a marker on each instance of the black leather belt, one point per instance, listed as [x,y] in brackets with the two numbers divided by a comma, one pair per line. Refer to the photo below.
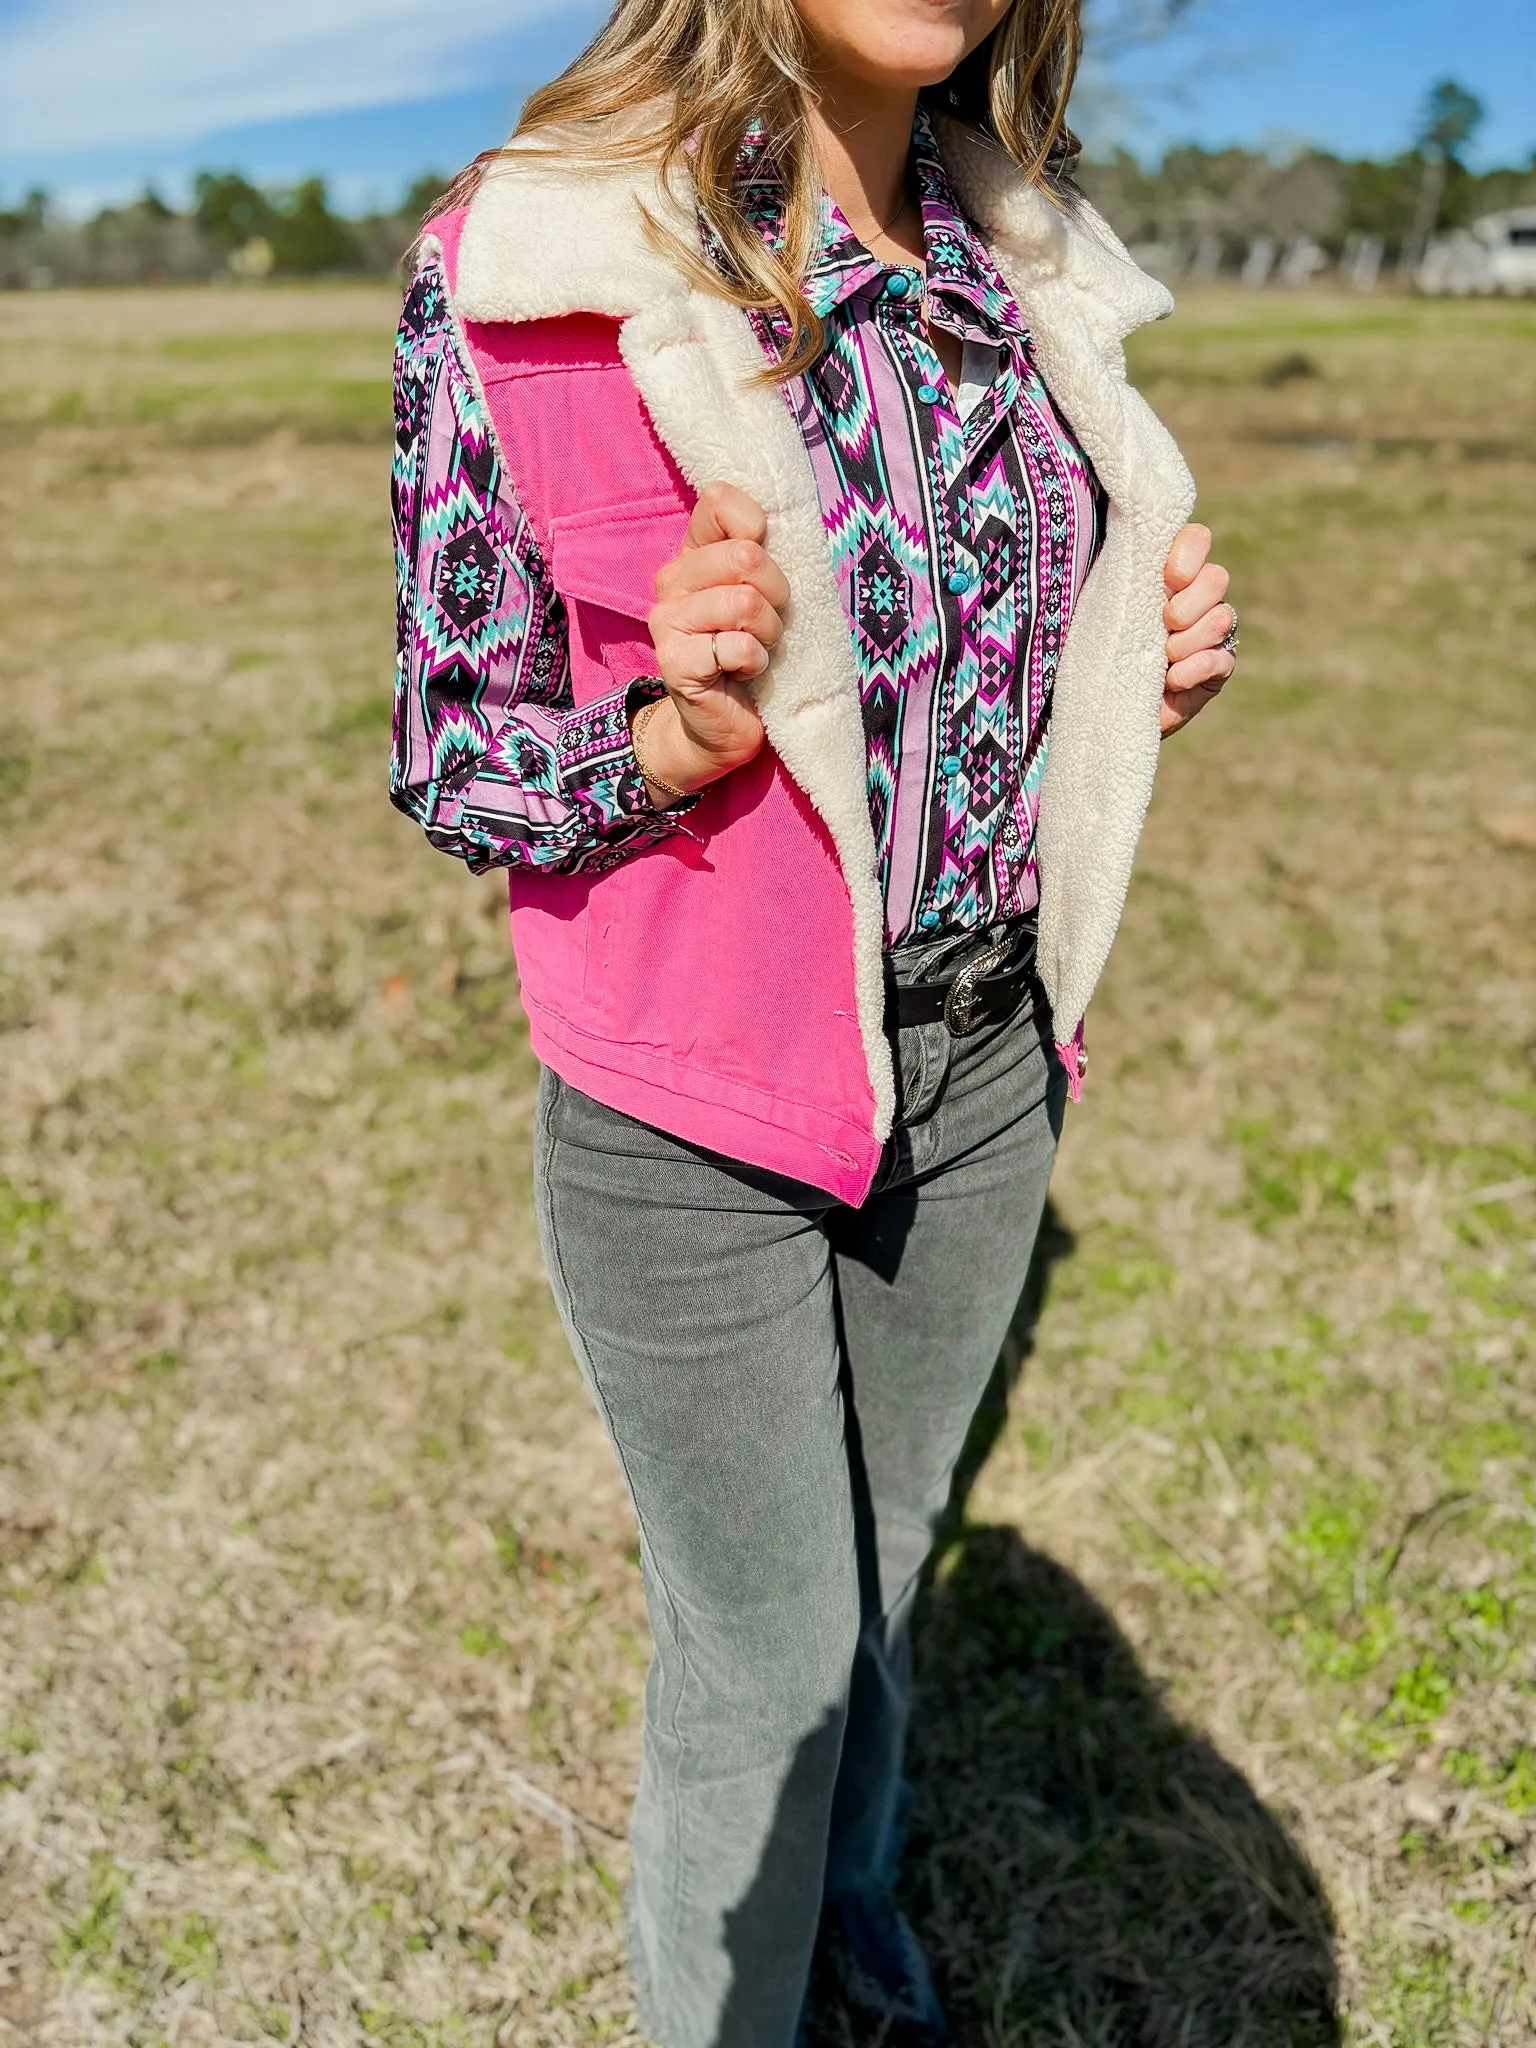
[987,989]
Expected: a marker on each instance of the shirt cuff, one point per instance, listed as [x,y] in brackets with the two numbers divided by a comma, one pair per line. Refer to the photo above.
[597,766]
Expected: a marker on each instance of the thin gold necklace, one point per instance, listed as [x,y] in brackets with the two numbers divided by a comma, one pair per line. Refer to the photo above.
[884,227]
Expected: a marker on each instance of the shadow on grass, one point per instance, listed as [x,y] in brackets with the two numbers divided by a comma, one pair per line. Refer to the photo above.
[1085,1871]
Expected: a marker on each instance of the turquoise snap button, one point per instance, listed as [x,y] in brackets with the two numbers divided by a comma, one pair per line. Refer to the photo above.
[898,284]
[928,393]
[928,920]
[951,764]
[960,581]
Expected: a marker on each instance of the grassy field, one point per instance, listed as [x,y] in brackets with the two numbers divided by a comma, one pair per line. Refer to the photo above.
[321,1635]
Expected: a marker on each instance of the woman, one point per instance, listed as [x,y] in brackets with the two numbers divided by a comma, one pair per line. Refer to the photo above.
[787,603]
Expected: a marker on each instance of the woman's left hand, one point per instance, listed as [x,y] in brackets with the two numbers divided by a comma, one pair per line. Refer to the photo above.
[1198,619]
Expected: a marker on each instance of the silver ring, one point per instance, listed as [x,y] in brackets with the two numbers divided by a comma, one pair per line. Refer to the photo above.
[1233,639]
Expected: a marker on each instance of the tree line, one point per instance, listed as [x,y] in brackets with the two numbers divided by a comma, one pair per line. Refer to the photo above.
[231,228]
[1231,197]
[1219,200]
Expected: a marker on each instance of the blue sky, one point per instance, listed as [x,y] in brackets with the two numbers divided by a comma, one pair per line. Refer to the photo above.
[97,97]
[1349,74]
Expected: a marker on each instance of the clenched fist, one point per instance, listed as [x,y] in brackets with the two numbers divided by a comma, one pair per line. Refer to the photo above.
[714,623]
[1199,621]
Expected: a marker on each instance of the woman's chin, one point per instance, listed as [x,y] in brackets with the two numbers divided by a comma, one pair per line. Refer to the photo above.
[899,73]
[898,47]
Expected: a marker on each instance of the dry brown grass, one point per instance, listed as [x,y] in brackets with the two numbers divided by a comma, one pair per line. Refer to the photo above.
[322,1634]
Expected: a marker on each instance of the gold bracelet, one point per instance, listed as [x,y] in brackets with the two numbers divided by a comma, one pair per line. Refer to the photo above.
[643,718]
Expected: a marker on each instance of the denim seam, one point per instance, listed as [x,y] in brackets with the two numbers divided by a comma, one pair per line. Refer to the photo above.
[544,1157]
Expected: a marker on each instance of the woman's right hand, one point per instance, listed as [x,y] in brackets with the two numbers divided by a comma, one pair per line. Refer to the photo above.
[724,584]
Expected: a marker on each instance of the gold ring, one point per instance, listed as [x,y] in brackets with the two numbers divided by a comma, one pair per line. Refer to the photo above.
[714,655]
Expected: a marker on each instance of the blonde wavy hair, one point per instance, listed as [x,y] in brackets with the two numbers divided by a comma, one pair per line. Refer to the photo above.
[712,68]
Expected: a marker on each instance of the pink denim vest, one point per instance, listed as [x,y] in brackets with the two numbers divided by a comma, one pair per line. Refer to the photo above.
[704,985]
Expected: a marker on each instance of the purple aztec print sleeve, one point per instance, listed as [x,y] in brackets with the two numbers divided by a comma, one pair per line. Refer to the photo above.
[491,757]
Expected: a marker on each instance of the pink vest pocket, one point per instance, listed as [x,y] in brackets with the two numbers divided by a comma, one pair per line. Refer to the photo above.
[604,564]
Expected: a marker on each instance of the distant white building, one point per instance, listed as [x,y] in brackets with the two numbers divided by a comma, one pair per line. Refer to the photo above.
[1301,262]
[1497,254]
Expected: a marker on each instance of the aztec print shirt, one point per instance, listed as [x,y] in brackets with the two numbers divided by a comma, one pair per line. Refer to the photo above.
[961,528]
[491,756]
[962,525]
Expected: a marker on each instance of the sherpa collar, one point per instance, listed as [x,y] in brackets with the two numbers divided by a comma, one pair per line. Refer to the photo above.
[547,236]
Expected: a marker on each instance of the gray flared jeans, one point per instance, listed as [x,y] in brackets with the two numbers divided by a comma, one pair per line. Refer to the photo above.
[788,1383]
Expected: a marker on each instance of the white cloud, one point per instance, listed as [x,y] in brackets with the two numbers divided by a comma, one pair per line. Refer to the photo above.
[86,74]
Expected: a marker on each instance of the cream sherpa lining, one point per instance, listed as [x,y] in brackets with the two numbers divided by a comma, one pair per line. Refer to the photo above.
[545,238]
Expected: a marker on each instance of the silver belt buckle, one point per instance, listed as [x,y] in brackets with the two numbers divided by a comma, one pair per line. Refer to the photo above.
[962,1006]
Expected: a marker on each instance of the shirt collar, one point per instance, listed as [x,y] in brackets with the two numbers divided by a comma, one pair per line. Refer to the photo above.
[961,273]
[961,269]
